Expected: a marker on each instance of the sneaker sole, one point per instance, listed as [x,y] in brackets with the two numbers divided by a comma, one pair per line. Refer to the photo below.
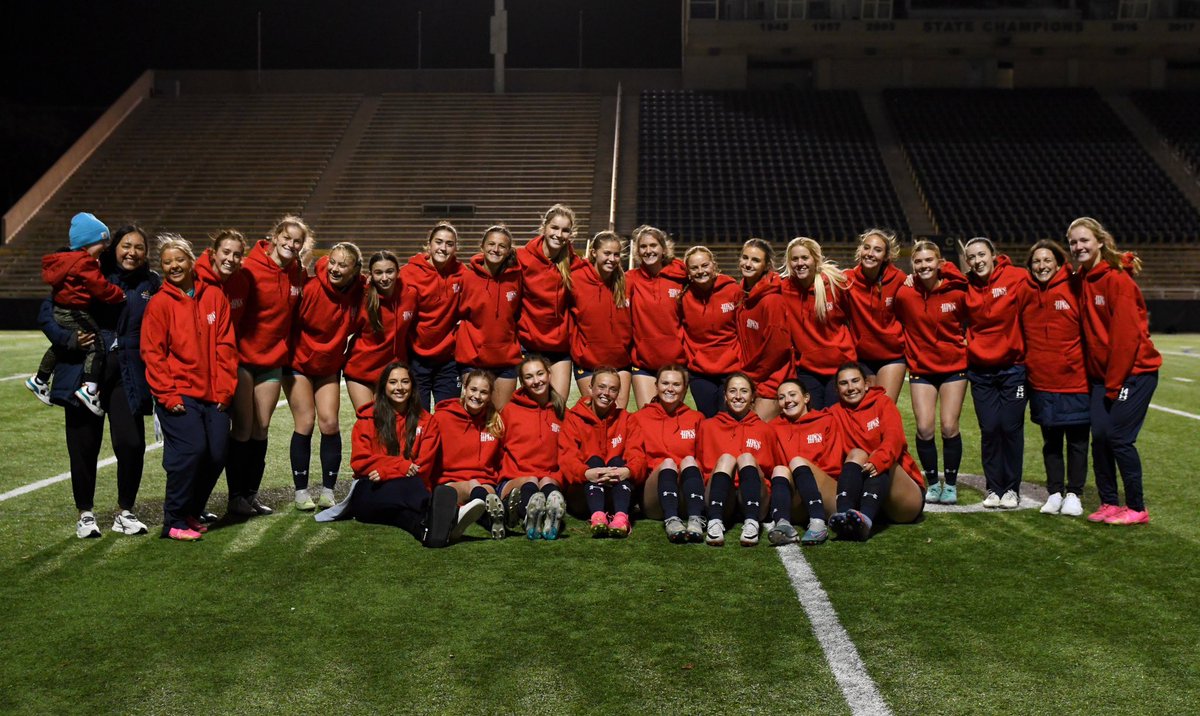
[779,539]
[135,531]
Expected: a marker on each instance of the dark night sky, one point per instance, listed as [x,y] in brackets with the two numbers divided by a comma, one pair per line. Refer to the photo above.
[66,60]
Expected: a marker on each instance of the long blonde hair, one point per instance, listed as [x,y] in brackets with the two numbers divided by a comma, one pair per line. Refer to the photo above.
[563,262]
[824,268]
[617,281]
[494,424]
[659,235]
[889,239]
[1108,246]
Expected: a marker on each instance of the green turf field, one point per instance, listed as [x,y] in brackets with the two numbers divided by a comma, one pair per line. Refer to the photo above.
[996,613]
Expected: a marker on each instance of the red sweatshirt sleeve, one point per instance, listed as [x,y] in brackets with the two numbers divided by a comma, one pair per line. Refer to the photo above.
[98,286]
[635,451]
[1124,332]
[154,346]
[225,370]
[892,441]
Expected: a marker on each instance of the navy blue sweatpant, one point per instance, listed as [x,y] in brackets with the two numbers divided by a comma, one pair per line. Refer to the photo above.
[999,395]
[194,445]
[1115,427]
[706,392]
[441,380]
[401,502]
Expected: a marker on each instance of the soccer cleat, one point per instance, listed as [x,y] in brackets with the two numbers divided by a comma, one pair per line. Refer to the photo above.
[934,494]
[750,533]
[40,389]
[183,535]
[860,525]
[695,529]
[326,500]
[1129,517]
[949,495]
[599,524]
[512,509]
[991,501]
[127,523]
[304,501]
[89,400]
[781,533]
[1071,506]
[495,510]
[534,515]
[1053,504]
[817,533]
[1105,512]
[1010,501]
[442,518]
[715,534]
[196,525]
[240,506]
[840,524]
[258,507]
[676,532]
[556,507]
[468,515]
[619,526]
[86,527]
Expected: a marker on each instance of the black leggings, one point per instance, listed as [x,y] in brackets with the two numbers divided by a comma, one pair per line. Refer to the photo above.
[85,432]
[1076,466]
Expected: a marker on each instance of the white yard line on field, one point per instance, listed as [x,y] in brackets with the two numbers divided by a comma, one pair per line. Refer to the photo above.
[847,666]
[1183,380]
[1183,353]
[1173,411]
[18,376]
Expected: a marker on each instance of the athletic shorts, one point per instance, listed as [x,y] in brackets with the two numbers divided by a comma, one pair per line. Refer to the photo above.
[263,375]
[552,356]
[581,372]
[938,379]
[871,367]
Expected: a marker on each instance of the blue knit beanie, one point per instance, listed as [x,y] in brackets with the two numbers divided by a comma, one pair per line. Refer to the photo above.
[86,230]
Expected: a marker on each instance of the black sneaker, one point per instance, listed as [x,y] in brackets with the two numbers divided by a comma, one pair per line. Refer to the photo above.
[443,513]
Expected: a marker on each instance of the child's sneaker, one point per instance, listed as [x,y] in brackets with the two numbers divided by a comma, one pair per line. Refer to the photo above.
[1129,517]
[326,500]
[934,494]
[556,507]
[599,524]
[127,523]
[304,501]
[715,535]
[750,533]
[949,495]
[782,532]
[495,510]
[619,526]
[89,400]
[86,527]
[40,389]
[1105,511]
[534,515]
[676,532]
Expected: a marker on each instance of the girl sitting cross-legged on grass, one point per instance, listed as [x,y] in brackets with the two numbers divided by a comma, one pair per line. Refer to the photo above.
[811,443]
[471,431]
[394,449]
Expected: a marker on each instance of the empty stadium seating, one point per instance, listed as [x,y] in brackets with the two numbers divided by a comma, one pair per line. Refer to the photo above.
[1174,114]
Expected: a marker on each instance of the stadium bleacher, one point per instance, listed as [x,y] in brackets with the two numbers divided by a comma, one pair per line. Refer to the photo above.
[1174,115]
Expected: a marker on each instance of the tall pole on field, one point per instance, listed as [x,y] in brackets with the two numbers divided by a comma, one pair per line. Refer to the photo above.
[499,46]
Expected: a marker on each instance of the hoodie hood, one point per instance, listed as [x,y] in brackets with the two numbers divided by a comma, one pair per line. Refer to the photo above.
[57,266]
[769,285]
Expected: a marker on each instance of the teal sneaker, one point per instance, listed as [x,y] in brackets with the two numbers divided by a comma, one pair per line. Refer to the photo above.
[949,495]
[934,494]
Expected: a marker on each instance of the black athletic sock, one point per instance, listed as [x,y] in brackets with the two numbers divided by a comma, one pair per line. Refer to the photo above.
[927,454]
[781,499]
[549,489]
[478,493]
[300,452]
[952,448]
[594,494]
[622,494]
[256,464]
[875,491]
[850,487]
[331,459]
[528,490]
[750,488]
[668,492]
[718,490]
[692,483]
[810,494]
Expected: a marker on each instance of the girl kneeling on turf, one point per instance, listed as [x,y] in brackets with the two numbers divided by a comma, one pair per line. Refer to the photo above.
[471,432]
[735,448]
[591,454]
[393,449]
[533,422]
[878,473]
[662,438]
[188,339]
[811,443]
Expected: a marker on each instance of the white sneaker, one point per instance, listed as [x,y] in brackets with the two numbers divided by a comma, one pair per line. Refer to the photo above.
[1071,507]
[1010,501]
[127,523]
[992,501]
[468,515]
[40,389]
[86,527]
[304,501]
[1053,504]
[715,534]
[89,400]
[750,530]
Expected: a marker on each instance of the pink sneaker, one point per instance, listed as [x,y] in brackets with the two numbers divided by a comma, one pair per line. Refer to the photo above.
[599,524]
[619,526]
[196,525]
[1105,511]
[188,535]
[1130,517]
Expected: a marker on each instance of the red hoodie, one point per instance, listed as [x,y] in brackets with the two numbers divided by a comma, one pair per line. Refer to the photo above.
[324,323]
[586,434]
[763,336]
[367,453]
[236,288]
[1053,336]
[994,305]
[813,436]
[188,344]
[530,439]
[372,351]
[601,332]
[438,294]
[710,327]
[543,324]
[934,324]
[266,325]
[657,323]
[655,435]
[875,425]
[877,334]
[487,332]
[1116,328]
[75,280]
[469,451]
[723,434]
[819,346]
